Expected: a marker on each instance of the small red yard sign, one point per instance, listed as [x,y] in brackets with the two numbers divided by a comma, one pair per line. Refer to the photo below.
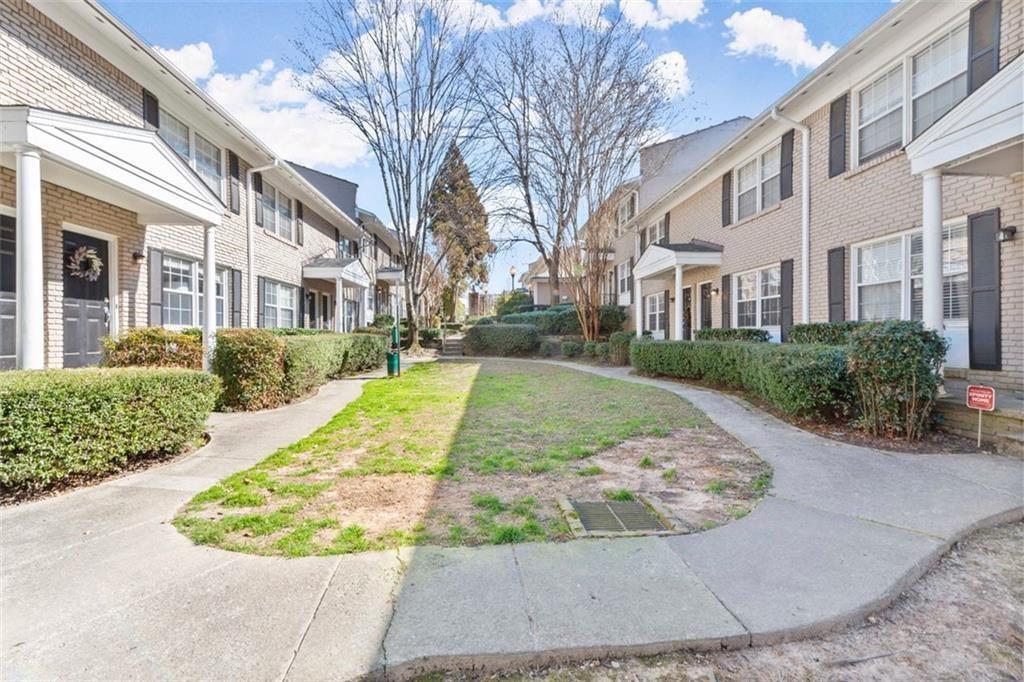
[981,398]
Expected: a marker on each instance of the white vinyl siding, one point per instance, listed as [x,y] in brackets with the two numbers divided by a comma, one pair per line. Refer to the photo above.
[759,298]
[279,304]
[880,115]
[939,78]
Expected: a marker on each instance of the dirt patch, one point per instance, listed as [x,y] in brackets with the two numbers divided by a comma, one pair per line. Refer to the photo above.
[963,621]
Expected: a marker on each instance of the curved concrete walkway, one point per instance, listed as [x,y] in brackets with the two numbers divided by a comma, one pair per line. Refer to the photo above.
[97,584]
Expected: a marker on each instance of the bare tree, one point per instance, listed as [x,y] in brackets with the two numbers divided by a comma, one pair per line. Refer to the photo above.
[400,72]
[567,107]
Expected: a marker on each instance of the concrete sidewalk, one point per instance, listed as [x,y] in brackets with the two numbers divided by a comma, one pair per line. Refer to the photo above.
[97,584]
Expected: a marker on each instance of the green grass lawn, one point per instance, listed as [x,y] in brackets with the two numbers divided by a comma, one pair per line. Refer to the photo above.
[437,455]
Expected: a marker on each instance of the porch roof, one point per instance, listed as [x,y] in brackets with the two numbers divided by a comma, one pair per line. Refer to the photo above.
[326,267]
[658,258]
[128,167]
[982,135]
[392,275]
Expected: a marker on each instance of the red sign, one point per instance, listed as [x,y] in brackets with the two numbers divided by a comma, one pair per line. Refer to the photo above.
[981,398]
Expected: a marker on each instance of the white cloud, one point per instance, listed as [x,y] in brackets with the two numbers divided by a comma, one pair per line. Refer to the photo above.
[287,118]
[477,14]
[760,33]
[660,14]
[567,11]
[195,59]
[671,68]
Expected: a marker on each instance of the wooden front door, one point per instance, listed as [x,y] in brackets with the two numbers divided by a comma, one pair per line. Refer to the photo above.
[86,304]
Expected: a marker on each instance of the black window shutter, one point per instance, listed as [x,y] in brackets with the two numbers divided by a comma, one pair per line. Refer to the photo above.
[837,284]
[629,279]
[983,43]
[337,242]
[234,183]
[667,293]
[260,283]
[837,136]
[726,198]
[668,228]
[150,110]
[257,190]
[786,296]
[298,222]
[726,303]
[236,298]
[155,261]
[643,241]
[983,311]
[302,306]
[786,167]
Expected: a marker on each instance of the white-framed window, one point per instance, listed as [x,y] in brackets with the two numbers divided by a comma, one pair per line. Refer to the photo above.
[175,134]
[279,304]
[182,292]
[655,307]
[656,232]
[880,115]
[284,217]
[623,275]
[625,212]
[208,163]
[888,276]
[939,78]
[277,212]
[759,298]
[759,182]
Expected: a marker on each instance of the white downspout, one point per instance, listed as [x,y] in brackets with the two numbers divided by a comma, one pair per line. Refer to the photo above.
[250,219]
[805,213]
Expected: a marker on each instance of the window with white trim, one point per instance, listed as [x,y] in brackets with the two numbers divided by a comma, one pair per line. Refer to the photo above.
[880,115]
[277,212]
[759,298]
[746,189]
[771,176]
[279,304]
[624,275]
[889,276]
[657,232]
[208,163]
[625,212]
[284,217]
[939,78]
[759,183]
[175,134]
[182,292]
[655,307]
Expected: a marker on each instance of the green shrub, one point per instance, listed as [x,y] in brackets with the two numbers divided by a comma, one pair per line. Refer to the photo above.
[60,424]
[250,363]
[501,339]
[383,321]
[571,349]
[310,362]
[429,334]
[736,334]
[548,348]
[562,320]
[453,326]
[612,318]
[895,366]
[804,380]
[828,333]
[590,349]
[298,331]
[603,350]
[618,346]
[485,321]
[513,302]
[154,347]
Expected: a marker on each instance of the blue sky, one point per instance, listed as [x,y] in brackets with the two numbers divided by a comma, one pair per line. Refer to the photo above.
[739,57]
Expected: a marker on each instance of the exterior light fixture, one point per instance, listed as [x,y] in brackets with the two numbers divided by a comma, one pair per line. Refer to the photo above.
[1006,234]
[512,276]
[714,291]
[138,257]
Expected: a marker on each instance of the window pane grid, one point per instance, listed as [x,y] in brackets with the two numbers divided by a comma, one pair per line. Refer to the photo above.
[174,133]
[880,112]
[208,163]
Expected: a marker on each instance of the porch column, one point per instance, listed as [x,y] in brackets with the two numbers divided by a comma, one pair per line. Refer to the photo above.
[339,305]
[210,294]
[931,243]
[677,328]
[638,306]
[30,351]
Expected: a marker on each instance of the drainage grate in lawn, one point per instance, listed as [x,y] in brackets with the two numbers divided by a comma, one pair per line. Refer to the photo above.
[617,517]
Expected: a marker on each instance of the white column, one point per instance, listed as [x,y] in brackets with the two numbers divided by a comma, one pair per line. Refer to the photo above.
[677,328]
[931,243]
[638,306]
[210,295]
[339,305]
[30,351]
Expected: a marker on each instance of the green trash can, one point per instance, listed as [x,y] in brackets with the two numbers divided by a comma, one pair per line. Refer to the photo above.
[394,363]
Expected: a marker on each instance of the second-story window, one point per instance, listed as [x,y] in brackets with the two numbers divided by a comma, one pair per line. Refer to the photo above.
[771,176]
[284,217]
[208,163]
[939,78]
[175,134]
[626,212]
[880,115]
[269,200]
[656,233]
[623,268]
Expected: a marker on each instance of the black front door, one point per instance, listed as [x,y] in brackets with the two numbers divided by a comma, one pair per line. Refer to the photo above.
[86,303]
[325,312]
[705,305]
[8,325]
[687,313]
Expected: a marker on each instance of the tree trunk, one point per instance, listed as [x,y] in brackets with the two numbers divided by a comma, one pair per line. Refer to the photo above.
[553,264]
[412,319]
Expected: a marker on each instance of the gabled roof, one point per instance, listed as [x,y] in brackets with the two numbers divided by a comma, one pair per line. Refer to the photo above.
[338,191]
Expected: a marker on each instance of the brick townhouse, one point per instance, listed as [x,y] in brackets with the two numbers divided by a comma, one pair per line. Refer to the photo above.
[124,188]
[887,184]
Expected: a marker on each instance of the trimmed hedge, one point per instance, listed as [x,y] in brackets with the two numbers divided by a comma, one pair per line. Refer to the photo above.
[548,348]
[60,424]
[501,339]
[603,351]
[828,333]
[618,347]
[802,380]
[571,349]
[562,320]
[896,365]
[297,331]
[736,334]
[590,349]
[154,347]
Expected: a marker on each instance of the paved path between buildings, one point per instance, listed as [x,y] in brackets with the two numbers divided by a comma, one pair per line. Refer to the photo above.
[96,584]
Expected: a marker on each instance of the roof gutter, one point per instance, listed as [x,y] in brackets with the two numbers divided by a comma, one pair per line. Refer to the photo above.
[805,211]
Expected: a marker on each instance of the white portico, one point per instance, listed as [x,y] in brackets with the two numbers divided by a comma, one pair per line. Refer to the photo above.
[664,263]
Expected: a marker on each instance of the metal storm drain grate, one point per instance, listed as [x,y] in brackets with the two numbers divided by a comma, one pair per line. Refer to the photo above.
[616,517]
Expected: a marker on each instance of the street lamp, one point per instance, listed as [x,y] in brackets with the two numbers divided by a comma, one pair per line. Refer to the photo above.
[512,275]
